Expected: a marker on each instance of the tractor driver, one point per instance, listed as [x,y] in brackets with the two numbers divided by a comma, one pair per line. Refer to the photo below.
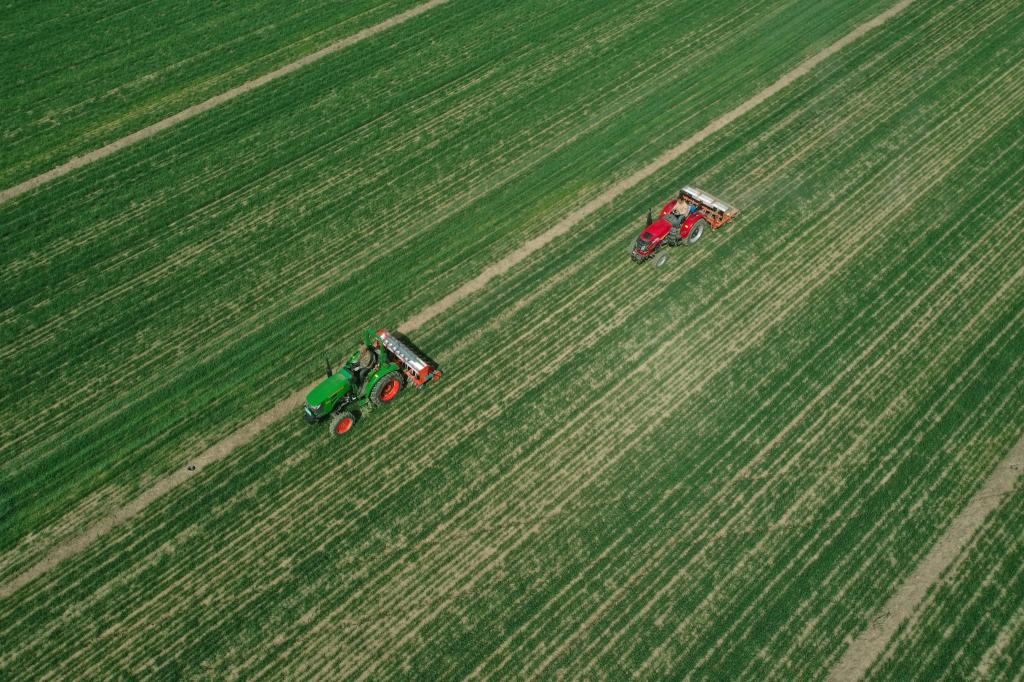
[683,207]
[367,361]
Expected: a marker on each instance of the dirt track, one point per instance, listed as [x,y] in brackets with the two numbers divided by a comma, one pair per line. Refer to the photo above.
[673,154]
[217,100]
[251,430]
[867,648]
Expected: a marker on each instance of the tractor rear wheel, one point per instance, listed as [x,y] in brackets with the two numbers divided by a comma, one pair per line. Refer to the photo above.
[696,231]
[343,423]
[387,388]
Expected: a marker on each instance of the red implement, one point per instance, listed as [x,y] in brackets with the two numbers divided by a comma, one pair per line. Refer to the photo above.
[418,367]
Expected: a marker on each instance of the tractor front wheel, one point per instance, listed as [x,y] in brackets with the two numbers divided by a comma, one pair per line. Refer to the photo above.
[696,232]
[343,423]
[387,388]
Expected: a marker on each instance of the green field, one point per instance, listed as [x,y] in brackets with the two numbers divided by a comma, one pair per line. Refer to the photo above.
[721,468]
[971,625]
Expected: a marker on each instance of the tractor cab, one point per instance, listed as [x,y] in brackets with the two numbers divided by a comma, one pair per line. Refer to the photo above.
[673,219]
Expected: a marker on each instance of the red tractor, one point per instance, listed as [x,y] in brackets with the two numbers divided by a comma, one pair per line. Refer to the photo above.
[682,221]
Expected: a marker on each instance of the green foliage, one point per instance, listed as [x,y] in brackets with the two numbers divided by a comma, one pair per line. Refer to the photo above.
[723,466]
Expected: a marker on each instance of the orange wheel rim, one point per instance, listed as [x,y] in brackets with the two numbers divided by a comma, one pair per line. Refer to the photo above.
[390,391]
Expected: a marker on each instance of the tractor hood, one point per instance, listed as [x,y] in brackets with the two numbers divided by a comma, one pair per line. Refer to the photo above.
[657,230]
[329,387]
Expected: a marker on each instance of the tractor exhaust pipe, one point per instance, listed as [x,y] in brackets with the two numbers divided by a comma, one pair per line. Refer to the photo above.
[327,361]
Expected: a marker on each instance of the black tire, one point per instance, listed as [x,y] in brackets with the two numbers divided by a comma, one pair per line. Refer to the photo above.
[343,422]
[696,232]
[386,390]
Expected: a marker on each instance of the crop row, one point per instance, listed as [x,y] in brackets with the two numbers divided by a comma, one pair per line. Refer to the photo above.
[623,459]
[971,626]
[80,77]
[207,288]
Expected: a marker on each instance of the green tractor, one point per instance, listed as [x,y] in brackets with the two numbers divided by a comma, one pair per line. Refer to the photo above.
[375,374]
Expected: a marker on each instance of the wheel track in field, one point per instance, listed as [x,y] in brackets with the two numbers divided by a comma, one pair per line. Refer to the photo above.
[463,107]
[181,97]
[903,606]
[809,627]
[866,648]
[555,313]
[563,226]
[810,500]
[784,521]
[217,100]
[709,540]
[284,514]
[144,500]
[280,519]
[733,514]
[321,188]
[559,147]
[837,416]
[286,510]
[808,610]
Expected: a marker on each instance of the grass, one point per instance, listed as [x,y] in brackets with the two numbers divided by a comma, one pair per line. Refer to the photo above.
[977,607]
[82,76]
[724,466]
[255,232]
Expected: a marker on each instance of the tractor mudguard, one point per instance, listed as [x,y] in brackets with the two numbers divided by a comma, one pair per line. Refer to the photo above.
[385,368]
[688,224]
